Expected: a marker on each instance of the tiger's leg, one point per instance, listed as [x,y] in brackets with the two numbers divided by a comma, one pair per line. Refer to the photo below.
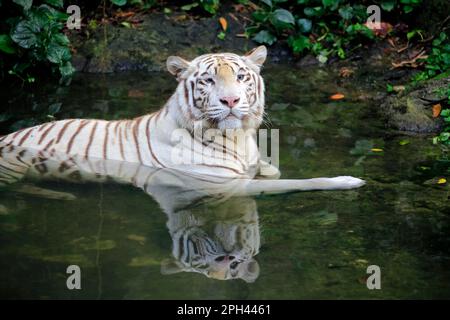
[258,187]
[13,166]
[267,171]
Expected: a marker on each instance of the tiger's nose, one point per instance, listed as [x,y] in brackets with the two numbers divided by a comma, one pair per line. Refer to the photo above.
[230,101]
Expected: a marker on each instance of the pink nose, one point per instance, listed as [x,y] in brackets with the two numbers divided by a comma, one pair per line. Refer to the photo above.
[230,101]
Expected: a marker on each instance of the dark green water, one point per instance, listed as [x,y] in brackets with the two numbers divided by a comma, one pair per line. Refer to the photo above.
[313,244]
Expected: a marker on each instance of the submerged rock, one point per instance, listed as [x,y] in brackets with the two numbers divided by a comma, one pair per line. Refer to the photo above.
[412,110]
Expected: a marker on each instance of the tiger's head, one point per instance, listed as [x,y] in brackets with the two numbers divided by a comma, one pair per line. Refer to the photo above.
[219,249]
[222,91]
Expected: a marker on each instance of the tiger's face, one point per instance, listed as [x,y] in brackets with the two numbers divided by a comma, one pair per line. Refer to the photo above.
[223,250]
[222,91]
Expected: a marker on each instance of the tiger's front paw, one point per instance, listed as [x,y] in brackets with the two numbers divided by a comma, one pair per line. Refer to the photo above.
[347,182]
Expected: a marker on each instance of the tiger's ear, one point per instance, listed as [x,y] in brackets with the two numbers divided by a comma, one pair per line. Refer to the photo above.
[256,57]
[249,271]
[177,65]
[169,266]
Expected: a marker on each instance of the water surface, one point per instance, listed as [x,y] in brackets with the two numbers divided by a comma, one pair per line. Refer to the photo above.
[312,244]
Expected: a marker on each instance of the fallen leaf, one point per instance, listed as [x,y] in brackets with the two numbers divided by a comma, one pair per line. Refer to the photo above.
[403,142]
[442,181]
[379,28]
[345,72]
[223,23]
[437,110]
[127,14]
[376,150]
[337,96]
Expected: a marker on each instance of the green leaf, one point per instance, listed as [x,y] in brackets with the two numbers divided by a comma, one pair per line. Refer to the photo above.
[299,43]
[210,6]
[304,25]
[267,2]
[346,12]
[61,38]
[389,88]
[388,5]
[282,19]
[341,53]
[66,70]
[444,136]
[332,4]
[407,9]
[221,35]
[265,36]
[57,53]
[313,12]
[260,16]
[56,3]
[322,58]
[119,2]
[403,142]
[6,44]
[126,24]
[188,7]
[445,113]
[24,34]
[26,4]
[411,34]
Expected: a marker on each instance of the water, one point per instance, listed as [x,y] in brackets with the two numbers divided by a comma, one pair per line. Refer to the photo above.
[311,244]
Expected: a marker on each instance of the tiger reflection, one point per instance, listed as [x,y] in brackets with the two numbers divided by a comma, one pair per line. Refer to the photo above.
[223,251]
[213,232]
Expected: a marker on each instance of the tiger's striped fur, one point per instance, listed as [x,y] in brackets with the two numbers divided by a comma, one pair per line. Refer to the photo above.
[147,139]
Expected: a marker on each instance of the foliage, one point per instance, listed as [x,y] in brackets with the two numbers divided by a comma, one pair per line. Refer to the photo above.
[438,60]
[324,27]
[33,37]
[210,6]
[144,4]
[444,137]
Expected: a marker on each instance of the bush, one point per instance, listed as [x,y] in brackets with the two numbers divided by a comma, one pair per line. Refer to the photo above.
[323,27]
[32,36]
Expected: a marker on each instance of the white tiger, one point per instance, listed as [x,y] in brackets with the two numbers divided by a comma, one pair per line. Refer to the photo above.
[219,91]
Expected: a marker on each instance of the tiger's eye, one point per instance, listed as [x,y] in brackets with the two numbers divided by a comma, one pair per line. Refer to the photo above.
[240,77]
[209,80]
